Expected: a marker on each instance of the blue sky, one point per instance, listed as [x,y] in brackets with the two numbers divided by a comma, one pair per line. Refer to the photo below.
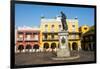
[30,15]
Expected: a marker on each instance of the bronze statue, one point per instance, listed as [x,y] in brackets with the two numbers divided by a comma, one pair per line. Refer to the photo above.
[63,20]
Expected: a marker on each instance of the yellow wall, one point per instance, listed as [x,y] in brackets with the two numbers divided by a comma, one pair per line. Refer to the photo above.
[70,23]
[56,29]
[56,26]
[83,30]
[78,44]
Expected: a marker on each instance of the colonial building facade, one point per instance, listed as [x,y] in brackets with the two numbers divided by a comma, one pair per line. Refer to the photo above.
[45,38]
[88,40]
[27,39]
[73,37]
[50,29]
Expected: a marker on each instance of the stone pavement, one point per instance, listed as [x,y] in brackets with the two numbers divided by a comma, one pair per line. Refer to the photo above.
[45,58]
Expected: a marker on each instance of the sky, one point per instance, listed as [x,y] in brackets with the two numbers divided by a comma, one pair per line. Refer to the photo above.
[30,15]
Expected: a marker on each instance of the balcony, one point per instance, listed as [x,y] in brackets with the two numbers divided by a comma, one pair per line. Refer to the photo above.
[73,39]
[50,39]
[31,39]
[19,39]
[49,33]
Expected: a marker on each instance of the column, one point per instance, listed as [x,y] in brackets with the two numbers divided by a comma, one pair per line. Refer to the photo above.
[23,36]
[23,49]
[79,45]
[91,45]
[71,46]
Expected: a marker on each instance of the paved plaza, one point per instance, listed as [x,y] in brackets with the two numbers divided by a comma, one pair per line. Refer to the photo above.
[46,58]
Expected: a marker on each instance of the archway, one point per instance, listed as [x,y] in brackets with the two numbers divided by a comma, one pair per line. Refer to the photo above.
[58,45]
[86,47]
[28,47]
[36,46]
[83,46]
[90,48]
[94,46]
[46,45]
[74,46]
[53,45]
[69,46]
[20,47]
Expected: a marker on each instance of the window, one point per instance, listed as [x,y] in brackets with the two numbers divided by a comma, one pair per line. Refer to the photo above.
[60,28]
[45,36]
[52,36]
[85,28]
[46,26]
[52,28]
[86,38]
[73,36]
[28,36]
[91,37]
[20,36]
[73,26]
[36,37]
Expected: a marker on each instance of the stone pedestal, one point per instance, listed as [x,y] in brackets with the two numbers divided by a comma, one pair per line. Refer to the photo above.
[63,50]
[63,53]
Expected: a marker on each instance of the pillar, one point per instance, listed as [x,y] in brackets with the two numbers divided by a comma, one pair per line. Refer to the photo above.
[23,49]
[91,45]
[79,45]
[71,46]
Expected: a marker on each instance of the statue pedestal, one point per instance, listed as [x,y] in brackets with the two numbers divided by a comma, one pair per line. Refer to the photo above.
[63,50]
[63,53]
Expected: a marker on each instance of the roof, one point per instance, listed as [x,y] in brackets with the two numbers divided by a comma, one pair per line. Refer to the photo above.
[28,28]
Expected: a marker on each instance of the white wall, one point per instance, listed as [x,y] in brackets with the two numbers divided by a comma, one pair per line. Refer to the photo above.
[5,34]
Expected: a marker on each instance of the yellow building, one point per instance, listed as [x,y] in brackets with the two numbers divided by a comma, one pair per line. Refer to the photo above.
[49,33]
[83,29]
[73,39]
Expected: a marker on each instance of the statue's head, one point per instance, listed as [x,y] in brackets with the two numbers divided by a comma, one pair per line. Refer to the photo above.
[61,12]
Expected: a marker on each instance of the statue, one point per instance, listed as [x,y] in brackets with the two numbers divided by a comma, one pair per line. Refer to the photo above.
[63,52]
[63,20]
